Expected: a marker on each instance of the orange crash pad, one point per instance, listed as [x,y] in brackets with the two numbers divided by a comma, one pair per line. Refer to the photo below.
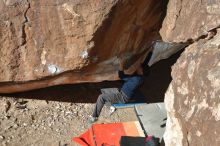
[109,134]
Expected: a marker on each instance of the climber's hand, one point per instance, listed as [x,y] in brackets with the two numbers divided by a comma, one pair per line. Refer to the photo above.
[121,64]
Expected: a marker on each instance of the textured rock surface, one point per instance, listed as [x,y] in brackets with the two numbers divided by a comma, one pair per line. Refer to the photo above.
[193,97]
[186,19]
[40,39]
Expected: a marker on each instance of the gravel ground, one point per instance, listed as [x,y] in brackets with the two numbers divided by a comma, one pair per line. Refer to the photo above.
[31,122]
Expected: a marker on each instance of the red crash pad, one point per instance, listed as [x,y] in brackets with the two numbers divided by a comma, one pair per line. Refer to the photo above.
[108,134]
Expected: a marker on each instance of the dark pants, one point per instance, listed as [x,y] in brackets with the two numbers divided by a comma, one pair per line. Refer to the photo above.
[112,96]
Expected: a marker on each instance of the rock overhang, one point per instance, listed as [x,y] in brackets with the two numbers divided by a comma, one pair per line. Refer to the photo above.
[46,43]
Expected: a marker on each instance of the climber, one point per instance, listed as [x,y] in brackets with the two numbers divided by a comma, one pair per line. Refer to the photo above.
[128,90]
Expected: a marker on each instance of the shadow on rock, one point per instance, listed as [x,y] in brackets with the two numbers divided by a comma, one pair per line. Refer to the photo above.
[153,89]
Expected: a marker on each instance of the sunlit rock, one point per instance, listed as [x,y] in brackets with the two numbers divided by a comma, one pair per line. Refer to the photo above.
[45,43]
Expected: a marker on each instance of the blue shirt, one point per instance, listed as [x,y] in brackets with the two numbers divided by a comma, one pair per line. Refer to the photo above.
[132,82]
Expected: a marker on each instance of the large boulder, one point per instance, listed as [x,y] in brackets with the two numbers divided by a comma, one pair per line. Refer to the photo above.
[193,97]
[45,43]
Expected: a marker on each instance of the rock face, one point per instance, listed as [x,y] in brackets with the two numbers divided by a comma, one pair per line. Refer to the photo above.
[40,39]
[43,38]
[193,97]
[190,20]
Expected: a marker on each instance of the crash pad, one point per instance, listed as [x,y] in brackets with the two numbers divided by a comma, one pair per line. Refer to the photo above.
[153,118]
[109,134]
[125,105]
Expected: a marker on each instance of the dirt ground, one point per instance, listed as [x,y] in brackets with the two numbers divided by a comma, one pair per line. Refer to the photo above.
[29,122]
